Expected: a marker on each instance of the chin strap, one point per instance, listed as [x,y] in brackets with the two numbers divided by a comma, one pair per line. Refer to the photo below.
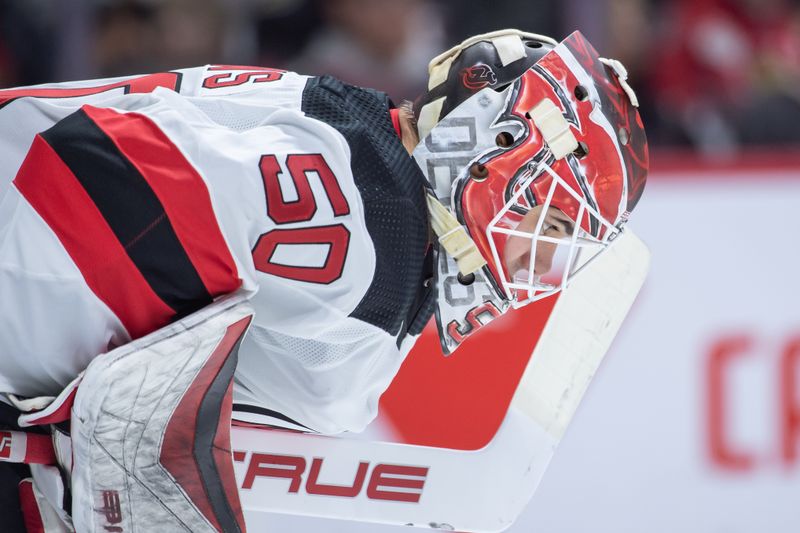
[454,238]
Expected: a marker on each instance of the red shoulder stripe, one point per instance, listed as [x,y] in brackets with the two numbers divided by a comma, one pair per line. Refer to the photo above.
[57,196]
[180,189]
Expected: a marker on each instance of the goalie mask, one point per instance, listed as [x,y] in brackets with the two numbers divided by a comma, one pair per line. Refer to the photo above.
[538,150]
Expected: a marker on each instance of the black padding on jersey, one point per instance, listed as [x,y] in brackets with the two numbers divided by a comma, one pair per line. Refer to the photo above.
[425,305]
[392,188]
[132,210]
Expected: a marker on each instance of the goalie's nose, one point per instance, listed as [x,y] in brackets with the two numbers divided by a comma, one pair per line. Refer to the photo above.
[520,247]
[518,258]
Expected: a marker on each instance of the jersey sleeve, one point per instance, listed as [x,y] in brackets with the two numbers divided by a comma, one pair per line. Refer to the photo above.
[147,206]
[128,224]
[27,111]
[135,215]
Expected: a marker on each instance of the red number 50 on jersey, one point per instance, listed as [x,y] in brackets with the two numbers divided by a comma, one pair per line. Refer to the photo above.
[334,238]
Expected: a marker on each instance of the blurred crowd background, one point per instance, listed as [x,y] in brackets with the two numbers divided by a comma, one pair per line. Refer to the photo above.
[693,423]
[712,75]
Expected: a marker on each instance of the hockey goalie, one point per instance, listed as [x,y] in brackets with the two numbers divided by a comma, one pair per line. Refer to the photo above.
[185,249]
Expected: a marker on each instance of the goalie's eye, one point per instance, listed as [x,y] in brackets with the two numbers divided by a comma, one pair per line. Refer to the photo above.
[557,221]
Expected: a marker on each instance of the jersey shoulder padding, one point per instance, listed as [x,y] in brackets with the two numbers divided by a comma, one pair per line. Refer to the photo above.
[392,188]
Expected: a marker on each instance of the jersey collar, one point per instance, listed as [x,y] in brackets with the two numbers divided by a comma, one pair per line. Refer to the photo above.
[395,114]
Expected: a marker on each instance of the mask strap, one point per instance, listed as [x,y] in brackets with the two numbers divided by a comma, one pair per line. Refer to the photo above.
[454,238]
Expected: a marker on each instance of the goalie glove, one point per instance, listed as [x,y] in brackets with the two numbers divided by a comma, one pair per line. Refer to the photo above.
[151,430]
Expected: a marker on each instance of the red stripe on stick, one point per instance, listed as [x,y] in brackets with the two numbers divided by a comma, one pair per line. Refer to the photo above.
[180,189]
[57,196]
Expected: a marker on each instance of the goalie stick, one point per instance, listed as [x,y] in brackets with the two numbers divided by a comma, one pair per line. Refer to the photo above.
[478,490]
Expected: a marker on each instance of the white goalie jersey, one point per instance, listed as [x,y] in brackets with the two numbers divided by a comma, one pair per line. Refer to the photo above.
[132,202]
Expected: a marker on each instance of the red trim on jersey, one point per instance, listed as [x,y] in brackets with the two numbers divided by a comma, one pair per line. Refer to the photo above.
[57,196]
[243,67]
[140,84]
[395,114]
[180,189]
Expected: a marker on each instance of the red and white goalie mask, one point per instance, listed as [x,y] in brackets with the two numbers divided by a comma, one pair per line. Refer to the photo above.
[540,153]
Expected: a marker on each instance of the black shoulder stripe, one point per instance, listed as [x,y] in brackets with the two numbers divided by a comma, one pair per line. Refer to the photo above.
[132,210]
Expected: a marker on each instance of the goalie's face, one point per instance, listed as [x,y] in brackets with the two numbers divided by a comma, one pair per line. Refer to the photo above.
[568,165]
[540,152]
[519,257]
[535,243]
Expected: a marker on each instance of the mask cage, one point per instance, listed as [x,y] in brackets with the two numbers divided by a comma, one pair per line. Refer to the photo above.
[577,250]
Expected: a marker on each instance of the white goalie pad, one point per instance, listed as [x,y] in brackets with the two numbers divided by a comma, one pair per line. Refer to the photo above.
[480,487]
[150,429]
